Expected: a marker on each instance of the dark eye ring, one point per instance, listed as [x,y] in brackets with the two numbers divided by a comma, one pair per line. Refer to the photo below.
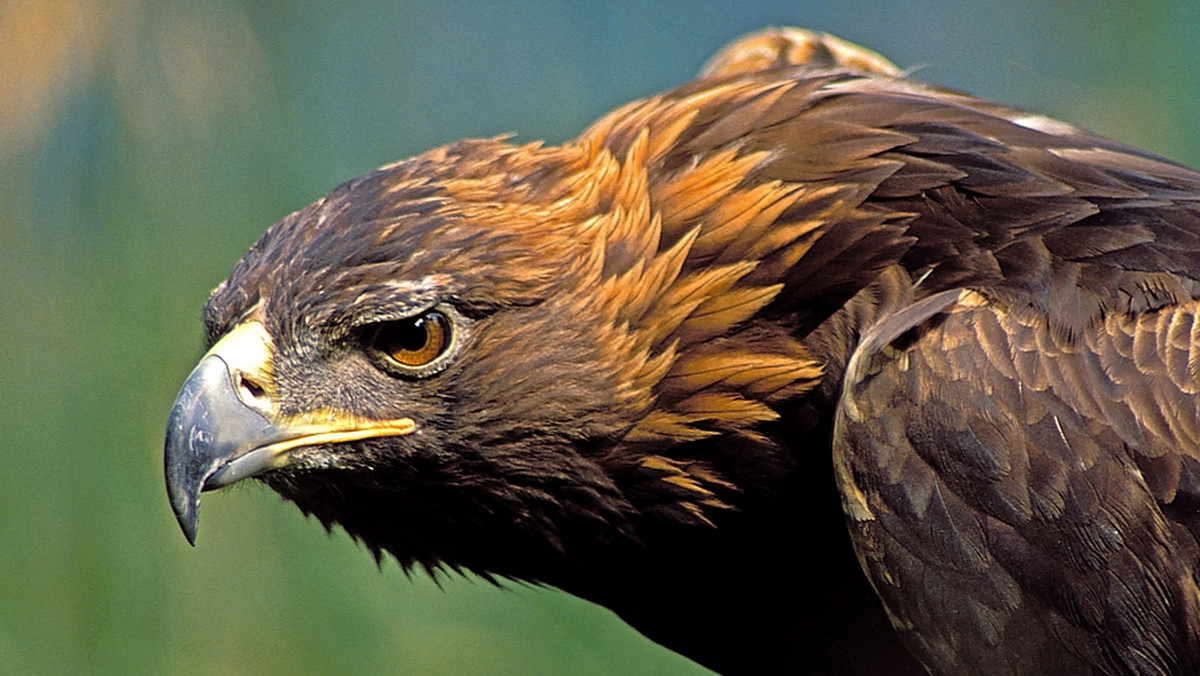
[414,343]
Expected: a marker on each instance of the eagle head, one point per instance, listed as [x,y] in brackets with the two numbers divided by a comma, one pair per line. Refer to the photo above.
[500,357]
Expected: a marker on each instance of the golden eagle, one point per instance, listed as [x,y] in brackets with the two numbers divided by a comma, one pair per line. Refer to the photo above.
[773,364]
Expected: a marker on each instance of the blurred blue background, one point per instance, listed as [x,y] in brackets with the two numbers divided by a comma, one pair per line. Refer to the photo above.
[144,145]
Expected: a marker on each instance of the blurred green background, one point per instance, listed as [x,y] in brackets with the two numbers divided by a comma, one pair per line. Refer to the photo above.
[145,145]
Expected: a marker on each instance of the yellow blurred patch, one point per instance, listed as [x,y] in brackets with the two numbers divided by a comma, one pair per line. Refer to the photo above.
[172,67]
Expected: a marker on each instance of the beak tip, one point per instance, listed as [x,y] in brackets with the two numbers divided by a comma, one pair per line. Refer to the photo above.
[187,512]
[187,523]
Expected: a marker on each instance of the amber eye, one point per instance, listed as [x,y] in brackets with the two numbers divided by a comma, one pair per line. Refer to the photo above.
[414,342]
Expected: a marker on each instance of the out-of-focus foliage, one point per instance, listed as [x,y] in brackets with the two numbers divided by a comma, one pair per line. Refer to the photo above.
[145,145]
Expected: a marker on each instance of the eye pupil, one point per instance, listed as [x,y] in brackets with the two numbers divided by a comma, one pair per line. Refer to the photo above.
[414,341]
[412,335]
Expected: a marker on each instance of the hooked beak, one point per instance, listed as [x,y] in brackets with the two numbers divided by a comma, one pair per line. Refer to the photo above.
[226,426]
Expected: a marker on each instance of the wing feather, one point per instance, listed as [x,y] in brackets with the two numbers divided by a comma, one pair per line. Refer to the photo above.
[1031,512]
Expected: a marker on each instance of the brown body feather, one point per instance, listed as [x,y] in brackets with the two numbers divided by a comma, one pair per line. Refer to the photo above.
[686,333]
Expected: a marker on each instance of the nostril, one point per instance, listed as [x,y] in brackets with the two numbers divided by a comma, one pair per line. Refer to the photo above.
[250,387]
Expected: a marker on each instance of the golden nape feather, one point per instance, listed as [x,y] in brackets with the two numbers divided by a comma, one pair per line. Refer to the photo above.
[801,367]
